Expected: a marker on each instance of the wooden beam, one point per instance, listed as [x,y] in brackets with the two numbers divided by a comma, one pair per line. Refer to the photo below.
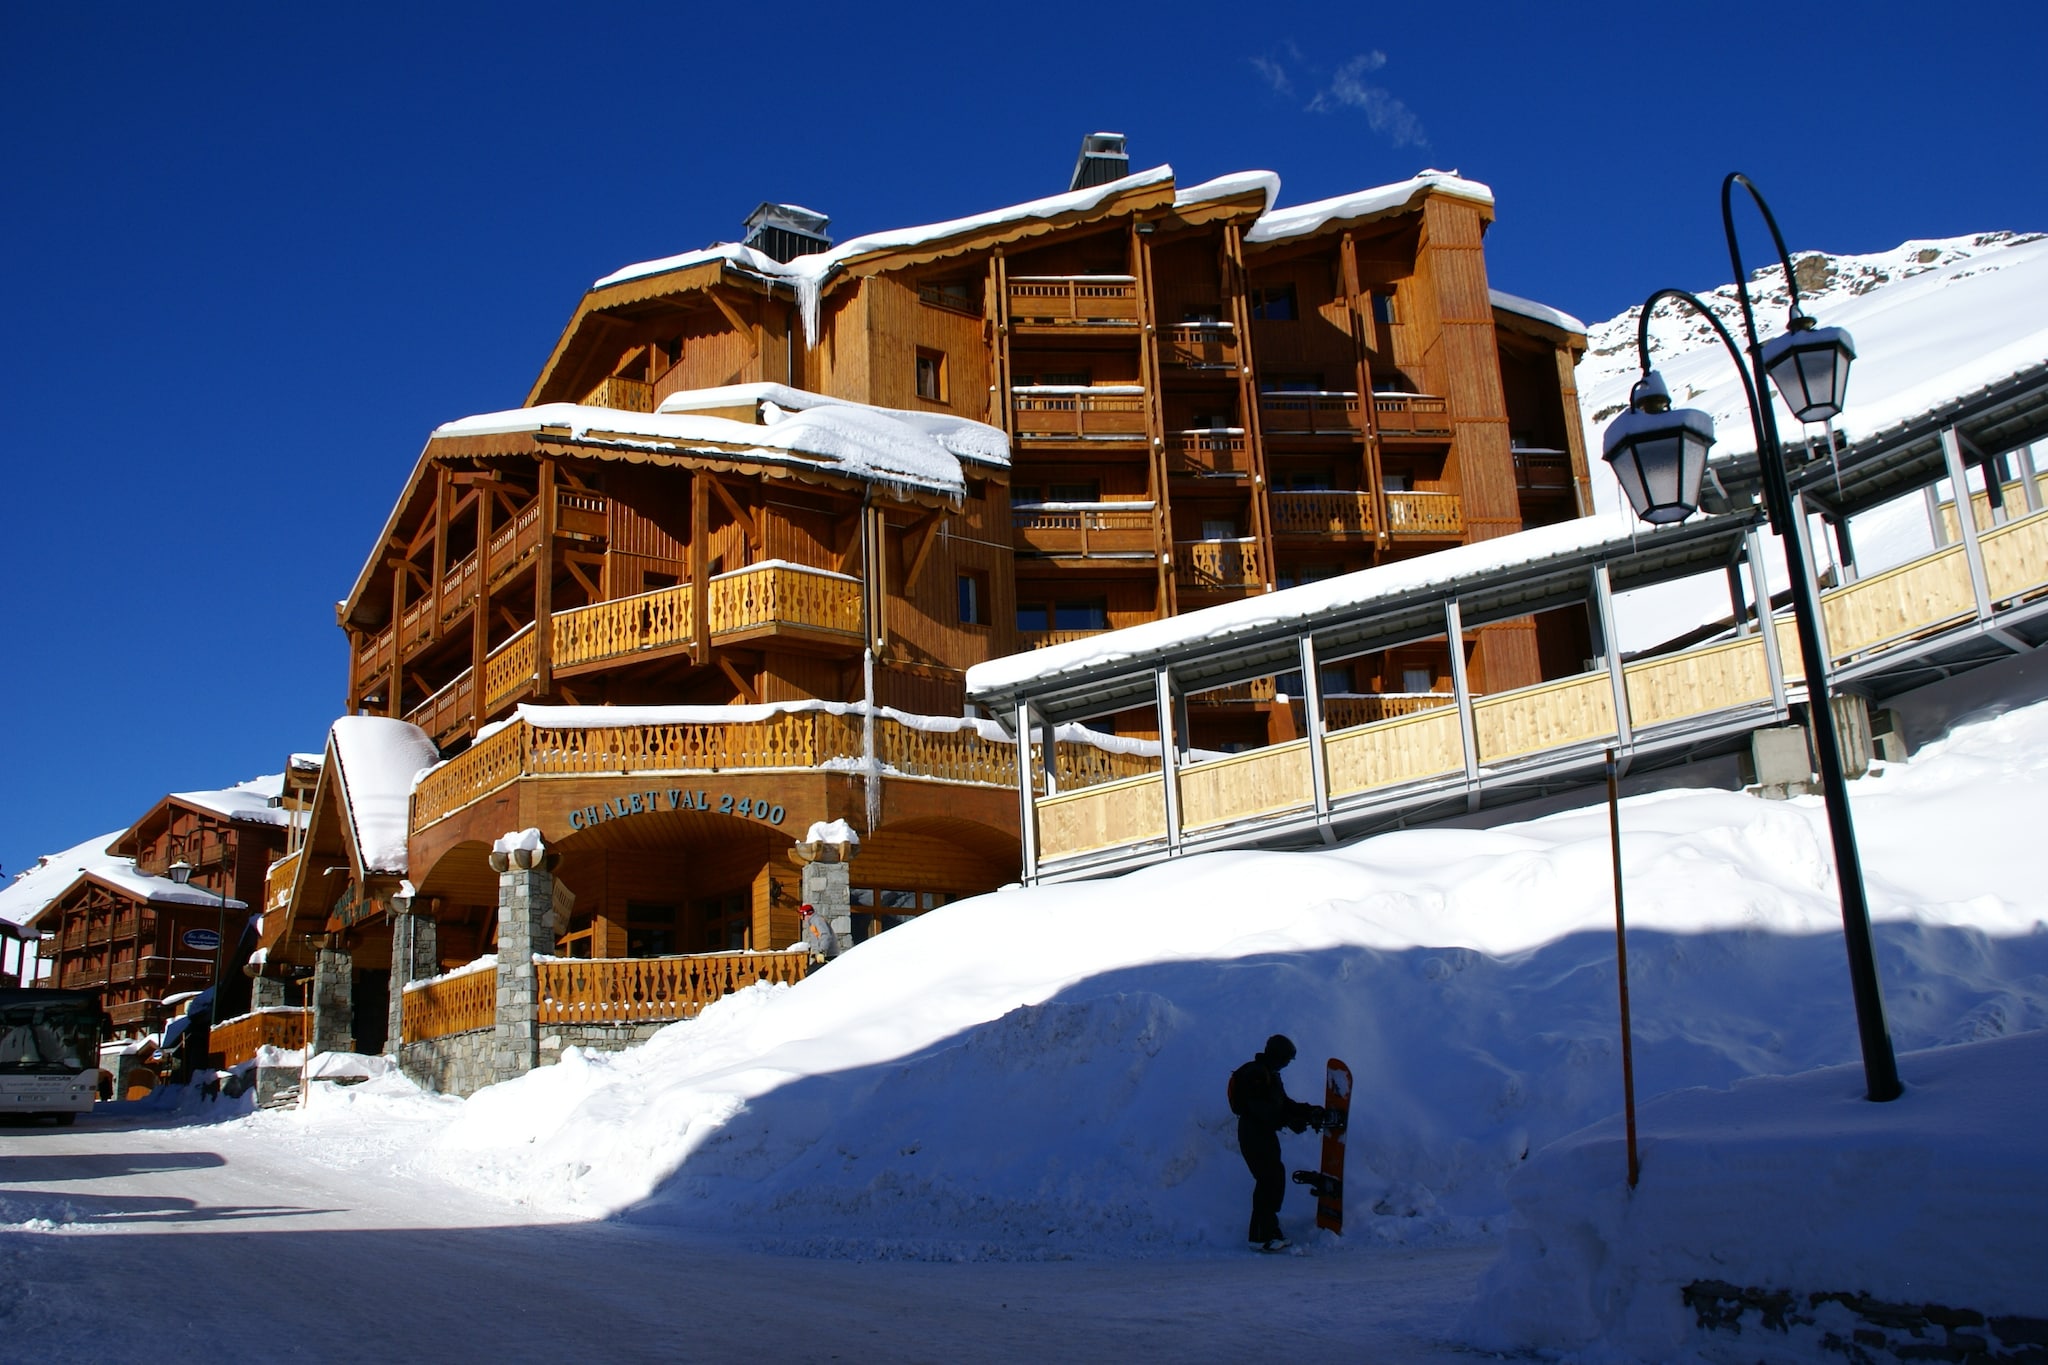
[574,564]
[544,585]
[746,688]
[700,570]
[929,524]
[747,524]
[739,324]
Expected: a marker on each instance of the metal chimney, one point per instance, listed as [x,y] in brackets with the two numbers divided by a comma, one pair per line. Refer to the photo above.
[1102,160]
[785,231]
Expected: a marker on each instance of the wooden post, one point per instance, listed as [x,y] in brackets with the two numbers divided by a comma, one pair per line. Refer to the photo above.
[700,569]
[1628,1066]
[440,609]
[544,586]
[1248,398]
[480,605]
[1155,423]
[1375,479]
[394,704]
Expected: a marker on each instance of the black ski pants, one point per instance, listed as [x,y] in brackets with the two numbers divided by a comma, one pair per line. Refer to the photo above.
[1261,1148]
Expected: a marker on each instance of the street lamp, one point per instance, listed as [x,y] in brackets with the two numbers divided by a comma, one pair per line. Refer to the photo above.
[1659,457]
[181,873]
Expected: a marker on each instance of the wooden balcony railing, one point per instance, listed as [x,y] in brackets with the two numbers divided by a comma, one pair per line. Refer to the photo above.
[1209,454]
[968,305]
[625,626]
[1425,514]
[622,395]
[511,667]
[1074,300]
[1081,529]
[238,1039]
[458,588]
[453,1004]
[1218,565]
[1341,713]
[449,711]
[1405,415]
[638,990]
[784,595]
[1199,345]
[1542,471]
[1039,639]
[1062,412]
[1312,414]
[1322,514]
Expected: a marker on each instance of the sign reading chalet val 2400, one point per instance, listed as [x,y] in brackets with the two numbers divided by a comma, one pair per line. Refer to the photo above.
[677,798]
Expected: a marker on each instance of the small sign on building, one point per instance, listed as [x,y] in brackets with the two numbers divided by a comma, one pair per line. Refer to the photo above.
[205,940]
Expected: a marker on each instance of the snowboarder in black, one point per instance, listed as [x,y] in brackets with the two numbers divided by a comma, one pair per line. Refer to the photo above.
[1260,1102]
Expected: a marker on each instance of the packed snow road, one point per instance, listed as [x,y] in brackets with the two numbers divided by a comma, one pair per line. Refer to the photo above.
[121,1241]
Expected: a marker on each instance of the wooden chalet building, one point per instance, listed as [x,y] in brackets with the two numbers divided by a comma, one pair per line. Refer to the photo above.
[114,920]
[758,484]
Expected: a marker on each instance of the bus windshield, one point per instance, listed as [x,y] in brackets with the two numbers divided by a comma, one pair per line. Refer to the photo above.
[47,1038]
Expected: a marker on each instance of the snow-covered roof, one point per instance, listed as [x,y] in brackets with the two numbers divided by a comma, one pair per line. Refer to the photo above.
[22,899]
[376,760]
[1529,308]
[1299,221]
[1229,187]
[877,445]
[1304,603]
[248,801]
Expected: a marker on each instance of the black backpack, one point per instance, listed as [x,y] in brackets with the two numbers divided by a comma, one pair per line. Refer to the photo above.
[1230,1093]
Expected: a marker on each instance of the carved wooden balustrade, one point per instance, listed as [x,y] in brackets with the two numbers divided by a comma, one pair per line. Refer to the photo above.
[1322,514]
[1218,565]
[452,1004]
[622,395]
[238,1039]
[511,667]
[652,989]
[1343,712]
[1062,413]
[1425,514]
[1074,300]
[1312,414]
[784,595]
[625,626]
[1401,415]
[1039,639]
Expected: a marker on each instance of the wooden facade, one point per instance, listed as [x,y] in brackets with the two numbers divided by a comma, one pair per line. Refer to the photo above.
[1191,414]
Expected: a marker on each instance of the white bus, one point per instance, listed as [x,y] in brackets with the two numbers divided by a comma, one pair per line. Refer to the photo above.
[49,1052]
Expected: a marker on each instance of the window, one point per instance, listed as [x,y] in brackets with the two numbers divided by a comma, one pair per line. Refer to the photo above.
[1219,528]
[1383,308]
[876,909]
[1293,383]
[1395,482]
[1417,680]
[1080,613]
[931,375]
[1208,312]
[1304,481]
[974,605]
[1274,303]
[1076,492]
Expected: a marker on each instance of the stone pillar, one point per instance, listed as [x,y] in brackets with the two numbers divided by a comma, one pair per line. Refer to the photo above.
[333,1001]
[266,992]
[415,956]
[826,853]
[526,924]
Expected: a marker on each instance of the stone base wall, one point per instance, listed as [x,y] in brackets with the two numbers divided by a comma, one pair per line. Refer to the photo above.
[276,1085]
[1866,1330]
[459,1064]
[592,1038]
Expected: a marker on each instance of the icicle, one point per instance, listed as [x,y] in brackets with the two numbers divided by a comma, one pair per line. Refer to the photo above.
[809,289]
[1834,454]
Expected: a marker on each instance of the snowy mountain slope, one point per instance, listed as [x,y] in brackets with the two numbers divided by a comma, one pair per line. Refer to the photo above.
[1040,1072]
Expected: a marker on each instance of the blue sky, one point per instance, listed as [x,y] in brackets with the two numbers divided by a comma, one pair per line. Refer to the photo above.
[255,253]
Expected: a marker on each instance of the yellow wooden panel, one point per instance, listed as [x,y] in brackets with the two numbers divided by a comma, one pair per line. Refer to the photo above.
[1697,681]
[1897,603]
[1244,785]
[1405,749]
[1104,816]
[2016,557]
[1547,716]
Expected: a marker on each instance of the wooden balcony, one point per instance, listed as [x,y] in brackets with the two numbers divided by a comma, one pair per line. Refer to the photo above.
[454,1004]
[1068,413]
[1312,414]
[607,631]
[1224,566]
[1212,454]
[635,990]
[1411,416]
[1341,712]
[622,395]
[776,598]
[1322,515]
[1082,530]
[1542,471]
[1426,515]
[1199,346]
[1068,301]
[448,712]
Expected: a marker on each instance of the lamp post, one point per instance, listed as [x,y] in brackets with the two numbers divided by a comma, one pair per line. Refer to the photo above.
[181,873]
[1659,456]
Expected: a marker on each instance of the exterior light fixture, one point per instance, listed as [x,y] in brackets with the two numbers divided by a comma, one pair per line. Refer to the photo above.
[1810,366]
[1658,454]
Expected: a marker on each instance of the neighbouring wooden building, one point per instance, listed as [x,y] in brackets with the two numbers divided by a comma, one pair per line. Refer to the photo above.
[759,486]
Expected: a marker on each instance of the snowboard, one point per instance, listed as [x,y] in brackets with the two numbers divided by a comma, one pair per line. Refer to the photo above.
[1328,1183]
